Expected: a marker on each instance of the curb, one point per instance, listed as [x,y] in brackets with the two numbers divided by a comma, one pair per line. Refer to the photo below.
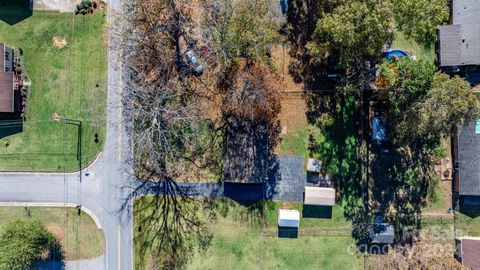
[61,205]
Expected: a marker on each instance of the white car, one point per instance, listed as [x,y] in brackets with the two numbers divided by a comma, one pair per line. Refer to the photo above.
[192,60]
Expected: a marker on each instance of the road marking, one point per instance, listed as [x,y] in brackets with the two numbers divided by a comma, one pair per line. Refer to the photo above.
[119,263]
[120,132]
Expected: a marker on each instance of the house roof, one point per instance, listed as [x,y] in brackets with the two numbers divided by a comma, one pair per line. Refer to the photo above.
[319,196]
[460,44]
[246,156]
[470,247]
[465,11]
[288,218]
[469,160]
[6,85]
[383,233]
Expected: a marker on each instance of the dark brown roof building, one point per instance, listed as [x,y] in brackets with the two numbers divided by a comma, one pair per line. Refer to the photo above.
[470,252]
[7,93]
[246,156]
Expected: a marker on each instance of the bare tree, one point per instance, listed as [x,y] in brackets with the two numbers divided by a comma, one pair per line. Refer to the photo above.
[163,109]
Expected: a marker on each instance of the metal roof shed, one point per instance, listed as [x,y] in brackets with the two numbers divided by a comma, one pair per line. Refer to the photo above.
[288,218]
[319,196]
[383,233]
[314,165]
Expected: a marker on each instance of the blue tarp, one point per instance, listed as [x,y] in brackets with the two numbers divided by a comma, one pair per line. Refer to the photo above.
[477,127]
[379,132]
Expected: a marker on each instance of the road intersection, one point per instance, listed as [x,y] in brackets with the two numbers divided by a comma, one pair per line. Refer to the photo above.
[100,188]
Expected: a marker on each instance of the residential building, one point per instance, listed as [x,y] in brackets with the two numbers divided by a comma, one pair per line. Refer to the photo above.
[467,164]
[459,42]
[468,248]
[7,81]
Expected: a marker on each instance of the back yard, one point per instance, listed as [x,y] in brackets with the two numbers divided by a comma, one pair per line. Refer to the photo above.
[243,239]
[68,81]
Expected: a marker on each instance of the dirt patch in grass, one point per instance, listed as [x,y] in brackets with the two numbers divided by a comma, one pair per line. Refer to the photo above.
[57,231]
[281,60]
[292,115]
[59,42]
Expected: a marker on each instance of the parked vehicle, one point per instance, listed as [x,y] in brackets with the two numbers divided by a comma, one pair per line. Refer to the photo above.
[192,60]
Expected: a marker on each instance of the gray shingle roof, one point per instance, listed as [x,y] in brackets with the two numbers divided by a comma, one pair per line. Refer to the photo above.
[460,45]
[466,11]
[469,161]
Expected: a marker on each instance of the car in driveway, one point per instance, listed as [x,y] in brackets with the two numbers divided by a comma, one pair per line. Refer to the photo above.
[193,62]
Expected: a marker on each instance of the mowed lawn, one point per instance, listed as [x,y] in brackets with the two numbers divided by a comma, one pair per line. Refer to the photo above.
[242,239]
[70,82]
[413,48]
[79,236]
[468,223]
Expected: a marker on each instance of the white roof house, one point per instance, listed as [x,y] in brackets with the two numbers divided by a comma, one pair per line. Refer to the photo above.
[319,196]
[288,218]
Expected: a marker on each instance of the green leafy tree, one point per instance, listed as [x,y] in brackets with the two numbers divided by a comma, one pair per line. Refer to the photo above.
[411,80]
[448,104]
[353,32]
[419,19]
[241,29]
[22,242]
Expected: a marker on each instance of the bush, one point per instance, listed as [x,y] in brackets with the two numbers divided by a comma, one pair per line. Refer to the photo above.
[85,7]
[22,242]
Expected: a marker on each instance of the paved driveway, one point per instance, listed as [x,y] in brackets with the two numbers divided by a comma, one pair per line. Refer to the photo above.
[286,182]
[287,179]
[55,5]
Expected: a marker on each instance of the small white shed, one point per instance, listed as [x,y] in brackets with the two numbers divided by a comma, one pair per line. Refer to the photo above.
[288,218]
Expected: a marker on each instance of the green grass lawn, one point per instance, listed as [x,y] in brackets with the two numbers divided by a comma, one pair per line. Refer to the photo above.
[78,235]
[413,48]
[295,143]
[468,223]
[239,241]
[70,81]
[337,219]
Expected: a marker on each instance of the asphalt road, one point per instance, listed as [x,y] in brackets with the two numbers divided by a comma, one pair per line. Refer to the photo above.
[103,192]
